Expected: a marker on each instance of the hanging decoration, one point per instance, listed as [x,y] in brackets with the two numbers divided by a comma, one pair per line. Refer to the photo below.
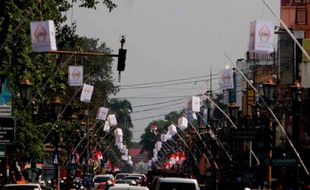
[87,92]
[182,123]
[106,126]
[158,145]
[112,120]
[226,79]
[194,104]
[102,113]
[261,37]
[43,36]
[163,137]
[75,75]
[172,130]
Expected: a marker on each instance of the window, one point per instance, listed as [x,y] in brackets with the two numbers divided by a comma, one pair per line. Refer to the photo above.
[301,16]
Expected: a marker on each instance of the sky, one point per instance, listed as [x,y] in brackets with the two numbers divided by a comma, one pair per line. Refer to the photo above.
[173,47]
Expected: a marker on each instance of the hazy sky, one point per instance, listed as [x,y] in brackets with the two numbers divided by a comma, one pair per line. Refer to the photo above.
[179,41]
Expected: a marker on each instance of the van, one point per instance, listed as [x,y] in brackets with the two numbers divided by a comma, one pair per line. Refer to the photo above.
[176,183]
[26,186]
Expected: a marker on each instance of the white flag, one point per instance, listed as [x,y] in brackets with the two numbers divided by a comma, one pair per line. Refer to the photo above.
[102,113]
[75,75]
[86,93]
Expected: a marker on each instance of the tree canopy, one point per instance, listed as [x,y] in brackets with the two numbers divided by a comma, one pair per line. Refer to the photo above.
[48,73]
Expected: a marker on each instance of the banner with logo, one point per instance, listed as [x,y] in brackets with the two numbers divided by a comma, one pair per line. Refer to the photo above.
[75,75]
[261,36]
[226,79]
[102,113]
[87,92]
[43,36]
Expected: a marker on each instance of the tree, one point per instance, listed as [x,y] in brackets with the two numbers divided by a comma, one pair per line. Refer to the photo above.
[46,72]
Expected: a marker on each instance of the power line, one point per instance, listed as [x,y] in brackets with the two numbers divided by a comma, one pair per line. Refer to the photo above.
[166,81]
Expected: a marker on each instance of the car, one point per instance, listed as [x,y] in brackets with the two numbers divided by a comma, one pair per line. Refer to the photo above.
[25,186]
[125,181]
[103,180]
[128,187]
[143,178]
[121,175]
[137,179]
[176,183]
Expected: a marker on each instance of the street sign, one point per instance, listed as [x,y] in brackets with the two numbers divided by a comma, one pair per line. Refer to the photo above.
[245,135]
[7,130]
[282,162]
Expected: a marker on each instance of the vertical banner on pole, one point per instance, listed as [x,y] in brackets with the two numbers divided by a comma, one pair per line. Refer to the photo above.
[102,113]
[226,79]
[261,37]
[87,92]
[75,75]
[43,36]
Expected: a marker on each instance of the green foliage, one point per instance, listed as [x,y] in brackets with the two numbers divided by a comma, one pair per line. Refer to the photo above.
[47,73]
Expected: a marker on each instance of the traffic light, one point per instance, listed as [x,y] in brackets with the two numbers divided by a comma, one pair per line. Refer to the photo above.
[121,59]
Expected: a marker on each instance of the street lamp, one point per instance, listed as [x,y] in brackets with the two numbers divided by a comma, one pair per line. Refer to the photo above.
[269,89]
[296,92]
[233,109]
[56,107]
[26,90]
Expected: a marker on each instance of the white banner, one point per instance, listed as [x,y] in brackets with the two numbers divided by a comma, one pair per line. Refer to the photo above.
[112,120]
[261,36]
[226,79]
[87,92]
[195,104]
[43,36]
[106,127]
[102,113]
[75,75]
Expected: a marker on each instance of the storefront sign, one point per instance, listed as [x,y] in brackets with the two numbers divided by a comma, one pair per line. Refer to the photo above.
[7,130]
[294,2]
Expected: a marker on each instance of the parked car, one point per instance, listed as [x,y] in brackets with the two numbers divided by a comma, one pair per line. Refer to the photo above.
[26,186]
[176,183]
[103,180]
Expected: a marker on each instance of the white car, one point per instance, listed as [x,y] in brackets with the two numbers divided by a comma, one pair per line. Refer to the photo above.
[26,186]
[127,187]
[176,183]
[103,180]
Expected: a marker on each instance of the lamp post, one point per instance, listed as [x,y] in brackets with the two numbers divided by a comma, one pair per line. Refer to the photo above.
[296,92]
[26,90]
[269,96]
[269,89]
[233,109]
